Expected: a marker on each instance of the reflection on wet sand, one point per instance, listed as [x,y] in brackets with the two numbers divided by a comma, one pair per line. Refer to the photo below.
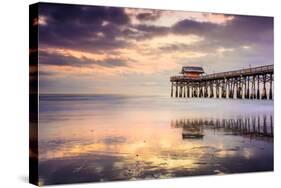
[255,126]
[117,138]
[214,147]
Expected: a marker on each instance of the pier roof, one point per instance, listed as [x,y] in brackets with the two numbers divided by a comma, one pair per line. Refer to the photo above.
[194,69]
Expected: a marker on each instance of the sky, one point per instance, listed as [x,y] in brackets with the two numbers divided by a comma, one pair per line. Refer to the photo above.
[110,50]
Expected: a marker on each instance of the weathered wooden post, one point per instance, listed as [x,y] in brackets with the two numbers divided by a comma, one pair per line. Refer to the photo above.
[240,87]
[237,89]
[258,87]
[217,90]
[253,89]
[270,87]
[192,91]
[200,90]
[264,95]
[188,91]
[233,87]
[186,85]
[186,88]
[227,89]
[248,87]
[180,89]
[177,89]
[245,87]
[172,86]
[230,94]
[205,90]
[223,91]
[211,89]
[196,91]
[184,91]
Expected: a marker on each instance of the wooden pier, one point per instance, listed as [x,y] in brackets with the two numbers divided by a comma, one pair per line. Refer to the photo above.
[249,83]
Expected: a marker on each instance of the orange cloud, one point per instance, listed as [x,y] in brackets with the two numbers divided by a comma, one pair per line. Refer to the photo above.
[169,18]
[142,57]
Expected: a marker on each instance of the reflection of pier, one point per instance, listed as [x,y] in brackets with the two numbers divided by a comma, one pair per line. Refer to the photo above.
[260,126]
[192,131]
[250,83]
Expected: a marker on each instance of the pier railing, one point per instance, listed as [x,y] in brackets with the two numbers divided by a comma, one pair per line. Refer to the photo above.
[267,69]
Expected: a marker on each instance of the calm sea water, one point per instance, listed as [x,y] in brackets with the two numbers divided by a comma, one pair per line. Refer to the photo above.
[109,137]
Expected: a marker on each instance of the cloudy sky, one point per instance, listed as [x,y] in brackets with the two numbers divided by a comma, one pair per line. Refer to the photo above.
[91,49]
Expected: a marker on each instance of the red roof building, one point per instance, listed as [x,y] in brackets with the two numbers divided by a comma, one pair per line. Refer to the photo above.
[192,71]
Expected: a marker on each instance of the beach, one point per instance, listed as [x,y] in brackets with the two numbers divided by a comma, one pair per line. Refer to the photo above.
[85,138]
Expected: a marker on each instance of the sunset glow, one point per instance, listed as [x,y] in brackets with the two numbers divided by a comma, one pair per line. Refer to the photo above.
[122,46]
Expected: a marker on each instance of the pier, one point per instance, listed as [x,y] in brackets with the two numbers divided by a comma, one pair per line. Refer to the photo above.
[249,83]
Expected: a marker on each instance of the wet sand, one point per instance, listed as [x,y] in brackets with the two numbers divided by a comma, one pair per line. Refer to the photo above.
[106,138]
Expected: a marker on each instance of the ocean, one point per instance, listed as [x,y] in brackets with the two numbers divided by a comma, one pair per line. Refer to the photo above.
[86,138]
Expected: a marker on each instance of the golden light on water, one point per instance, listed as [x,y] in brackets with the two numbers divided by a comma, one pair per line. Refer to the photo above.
[122,141]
